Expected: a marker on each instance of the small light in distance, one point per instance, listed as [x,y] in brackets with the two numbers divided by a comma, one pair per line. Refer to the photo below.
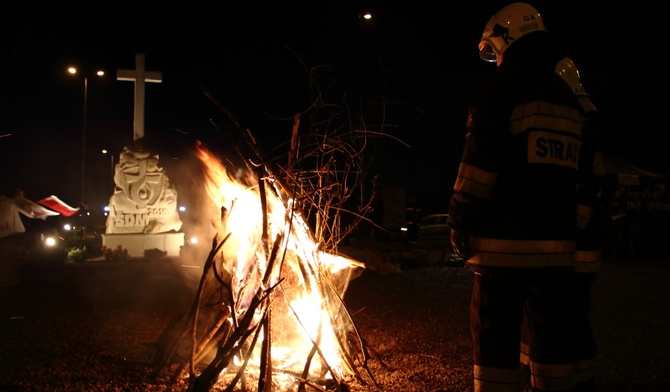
[366,15]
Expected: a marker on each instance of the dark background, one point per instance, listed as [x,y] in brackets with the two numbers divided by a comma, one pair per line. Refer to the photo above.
[253,58]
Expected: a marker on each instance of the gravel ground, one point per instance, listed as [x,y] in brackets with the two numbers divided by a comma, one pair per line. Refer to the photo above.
[94,326]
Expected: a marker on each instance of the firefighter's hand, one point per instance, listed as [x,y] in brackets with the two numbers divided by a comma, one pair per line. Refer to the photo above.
[459,243]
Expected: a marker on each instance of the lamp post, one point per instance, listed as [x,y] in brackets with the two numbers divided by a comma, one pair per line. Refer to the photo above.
[74,71]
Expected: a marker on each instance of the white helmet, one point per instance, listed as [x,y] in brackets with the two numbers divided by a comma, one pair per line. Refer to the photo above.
[570,74]
[507,25]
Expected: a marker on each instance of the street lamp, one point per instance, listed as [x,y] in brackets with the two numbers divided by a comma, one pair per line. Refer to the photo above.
[73,71]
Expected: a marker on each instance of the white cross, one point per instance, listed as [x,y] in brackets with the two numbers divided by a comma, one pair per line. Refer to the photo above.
[139,76]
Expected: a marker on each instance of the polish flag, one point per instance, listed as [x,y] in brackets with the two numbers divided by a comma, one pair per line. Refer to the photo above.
[31,209]
[57,205]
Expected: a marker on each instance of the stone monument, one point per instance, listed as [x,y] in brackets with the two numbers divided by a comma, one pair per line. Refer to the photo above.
[143,211]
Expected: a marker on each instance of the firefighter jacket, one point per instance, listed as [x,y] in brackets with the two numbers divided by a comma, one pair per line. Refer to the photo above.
[515,193]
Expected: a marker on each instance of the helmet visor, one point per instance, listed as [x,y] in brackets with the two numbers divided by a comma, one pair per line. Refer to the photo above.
[486,52]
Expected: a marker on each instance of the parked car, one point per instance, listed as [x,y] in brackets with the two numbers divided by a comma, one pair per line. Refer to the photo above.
[433,227]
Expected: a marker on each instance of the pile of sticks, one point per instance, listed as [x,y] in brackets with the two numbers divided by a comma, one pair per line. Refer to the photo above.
[244,308]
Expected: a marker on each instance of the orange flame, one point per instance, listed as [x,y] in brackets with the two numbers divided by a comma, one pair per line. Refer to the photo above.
[269,249]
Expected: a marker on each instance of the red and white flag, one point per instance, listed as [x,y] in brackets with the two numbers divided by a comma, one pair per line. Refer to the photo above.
[31,209]
[57,205]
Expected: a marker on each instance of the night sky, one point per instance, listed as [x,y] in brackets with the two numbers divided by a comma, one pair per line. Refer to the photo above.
[255,60]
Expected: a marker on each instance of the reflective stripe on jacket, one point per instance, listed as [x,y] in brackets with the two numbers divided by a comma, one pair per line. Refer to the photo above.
[521,253]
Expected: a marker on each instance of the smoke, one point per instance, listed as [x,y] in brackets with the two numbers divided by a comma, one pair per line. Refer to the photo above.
[186,174]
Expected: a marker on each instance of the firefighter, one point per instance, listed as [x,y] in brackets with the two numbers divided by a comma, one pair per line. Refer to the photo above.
[512,213]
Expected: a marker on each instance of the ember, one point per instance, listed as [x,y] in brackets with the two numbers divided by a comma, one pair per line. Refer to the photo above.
[269,308]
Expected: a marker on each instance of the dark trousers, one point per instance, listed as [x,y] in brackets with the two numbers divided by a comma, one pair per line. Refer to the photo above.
[501,298]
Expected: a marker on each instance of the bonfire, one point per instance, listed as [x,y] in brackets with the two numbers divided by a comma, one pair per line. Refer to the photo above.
[268,312]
